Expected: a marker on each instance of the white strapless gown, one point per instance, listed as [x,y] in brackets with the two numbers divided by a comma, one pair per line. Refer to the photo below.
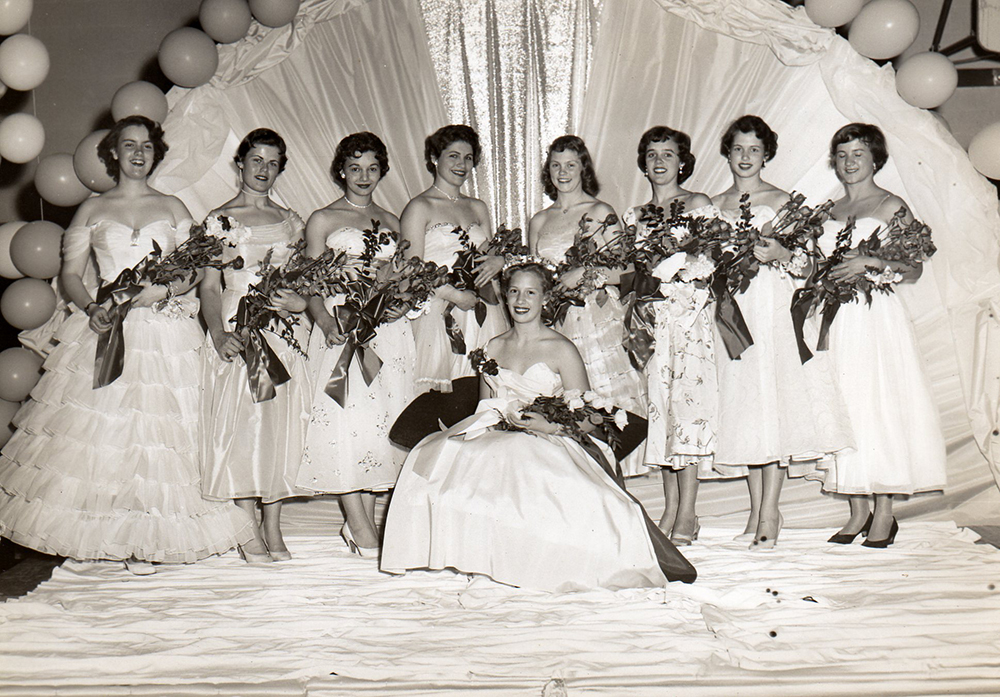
[528,510]
[113,473]
[900,448]
[348,448]
[436,364]
[773,407]
[254,449]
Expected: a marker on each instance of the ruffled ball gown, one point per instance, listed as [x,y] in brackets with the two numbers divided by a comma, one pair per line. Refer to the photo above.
[682,385]
[897,432]
[773,407]
[436,363]
[526,509]
[113,472]
[253,449]
[598,330]
[348,448]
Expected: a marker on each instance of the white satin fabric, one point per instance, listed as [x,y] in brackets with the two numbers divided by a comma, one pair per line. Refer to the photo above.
[526,509]
[254,449]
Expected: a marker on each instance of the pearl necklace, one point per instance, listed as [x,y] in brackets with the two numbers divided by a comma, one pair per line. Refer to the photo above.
[453,199]
[352,203]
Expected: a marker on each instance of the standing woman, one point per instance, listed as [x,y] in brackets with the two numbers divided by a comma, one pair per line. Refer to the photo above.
[900,449]
[112,472]
[597,328]
[683,394]
[251,450]
[348,451]
[437,223]
[773,409]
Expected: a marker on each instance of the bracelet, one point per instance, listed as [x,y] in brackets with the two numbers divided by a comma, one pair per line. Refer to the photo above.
[86,309]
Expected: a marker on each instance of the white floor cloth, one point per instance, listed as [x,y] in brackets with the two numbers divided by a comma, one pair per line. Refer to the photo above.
[807,618]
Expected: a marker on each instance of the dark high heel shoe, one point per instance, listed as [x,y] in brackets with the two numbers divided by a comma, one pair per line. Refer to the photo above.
[846,538]
[882,544]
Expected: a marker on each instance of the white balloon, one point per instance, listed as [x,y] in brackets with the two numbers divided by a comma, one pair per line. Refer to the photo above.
[884,28]
[984,151]
[833,13]
[927,79]
[14,14]
[24,62]
[22,137]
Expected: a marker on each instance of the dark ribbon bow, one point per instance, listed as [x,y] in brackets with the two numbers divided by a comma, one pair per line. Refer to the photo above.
[728,318]
[640,290]
[265,370]
[110,357]
[358,324]
[803,302]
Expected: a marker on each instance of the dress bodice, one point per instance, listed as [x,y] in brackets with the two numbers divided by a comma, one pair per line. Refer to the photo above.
[538,379]
[118,246]
[253,247]
[352,240]
[442,243]
[863,228]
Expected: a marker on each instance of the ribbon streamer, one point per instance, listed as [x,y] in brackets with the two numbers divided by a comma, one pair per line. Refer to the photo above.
[265,371]
[359,325]
[453,331]
[110,357]
[729,319]
[802,304]
[640,291]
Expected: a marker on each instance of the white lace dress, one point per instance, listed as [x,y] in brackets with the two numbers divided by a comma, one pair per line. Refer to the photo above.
[681,375]
[253,449]
[436,363]
[112,473]
[773,407]
[348,448]
[900,448]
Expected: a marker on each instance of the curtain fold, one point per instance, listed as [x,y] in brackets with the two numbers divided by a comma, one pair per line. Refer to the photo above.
[364,67]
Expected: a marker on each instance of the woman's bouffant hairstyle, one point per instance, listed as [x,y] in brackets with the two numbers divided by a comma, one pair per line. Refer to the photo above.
[750,124]
[561,144]
[108,144]
[440,139]
[262,136]
[869,135]
[356,145]
[661,134]
[548,282]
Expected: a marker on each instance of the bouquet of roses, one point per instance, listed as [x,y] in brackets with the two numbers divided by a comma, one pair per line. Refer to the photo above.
[300,274]
[463,275]
[380,294]
[694,237]
[202,249]
[907,243]
[589,251]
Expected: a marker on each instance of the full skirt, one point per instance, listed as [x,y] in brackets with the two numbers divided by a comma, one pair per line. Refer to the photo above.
[112,473]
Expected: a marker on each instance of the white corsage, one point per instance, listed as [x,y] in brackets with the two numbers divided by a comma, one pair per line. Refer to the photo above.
[227,229]
[884,278]
[796,265]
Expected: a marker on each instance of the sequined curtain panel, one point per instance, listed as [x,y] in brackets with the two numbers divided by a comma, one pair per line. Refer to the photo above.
[516,71]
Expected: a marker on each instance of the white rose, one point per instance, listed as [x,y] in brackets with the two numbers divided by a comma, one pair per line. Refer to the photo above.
[589,396]
[621,418]
[599,402]
[576,403]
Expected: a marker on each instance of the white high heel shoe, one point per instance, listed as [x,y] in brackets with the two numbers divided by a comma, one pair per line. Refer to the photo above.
[355,548]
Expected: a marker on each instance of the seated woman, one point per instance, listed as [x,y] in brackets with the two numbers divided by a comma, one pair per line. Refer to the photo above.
[530,507]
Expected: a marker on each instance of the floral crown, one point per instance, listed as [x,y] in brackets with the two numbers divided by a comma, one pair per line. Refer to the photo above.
[512,261]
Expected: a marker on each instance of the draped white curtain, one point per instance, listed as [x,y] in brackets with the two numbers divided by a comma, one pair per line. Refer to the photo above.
[523,72]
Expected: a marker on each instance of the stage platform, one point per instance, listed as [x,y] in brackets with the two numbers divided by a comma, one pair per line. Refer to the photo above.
[807,618]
